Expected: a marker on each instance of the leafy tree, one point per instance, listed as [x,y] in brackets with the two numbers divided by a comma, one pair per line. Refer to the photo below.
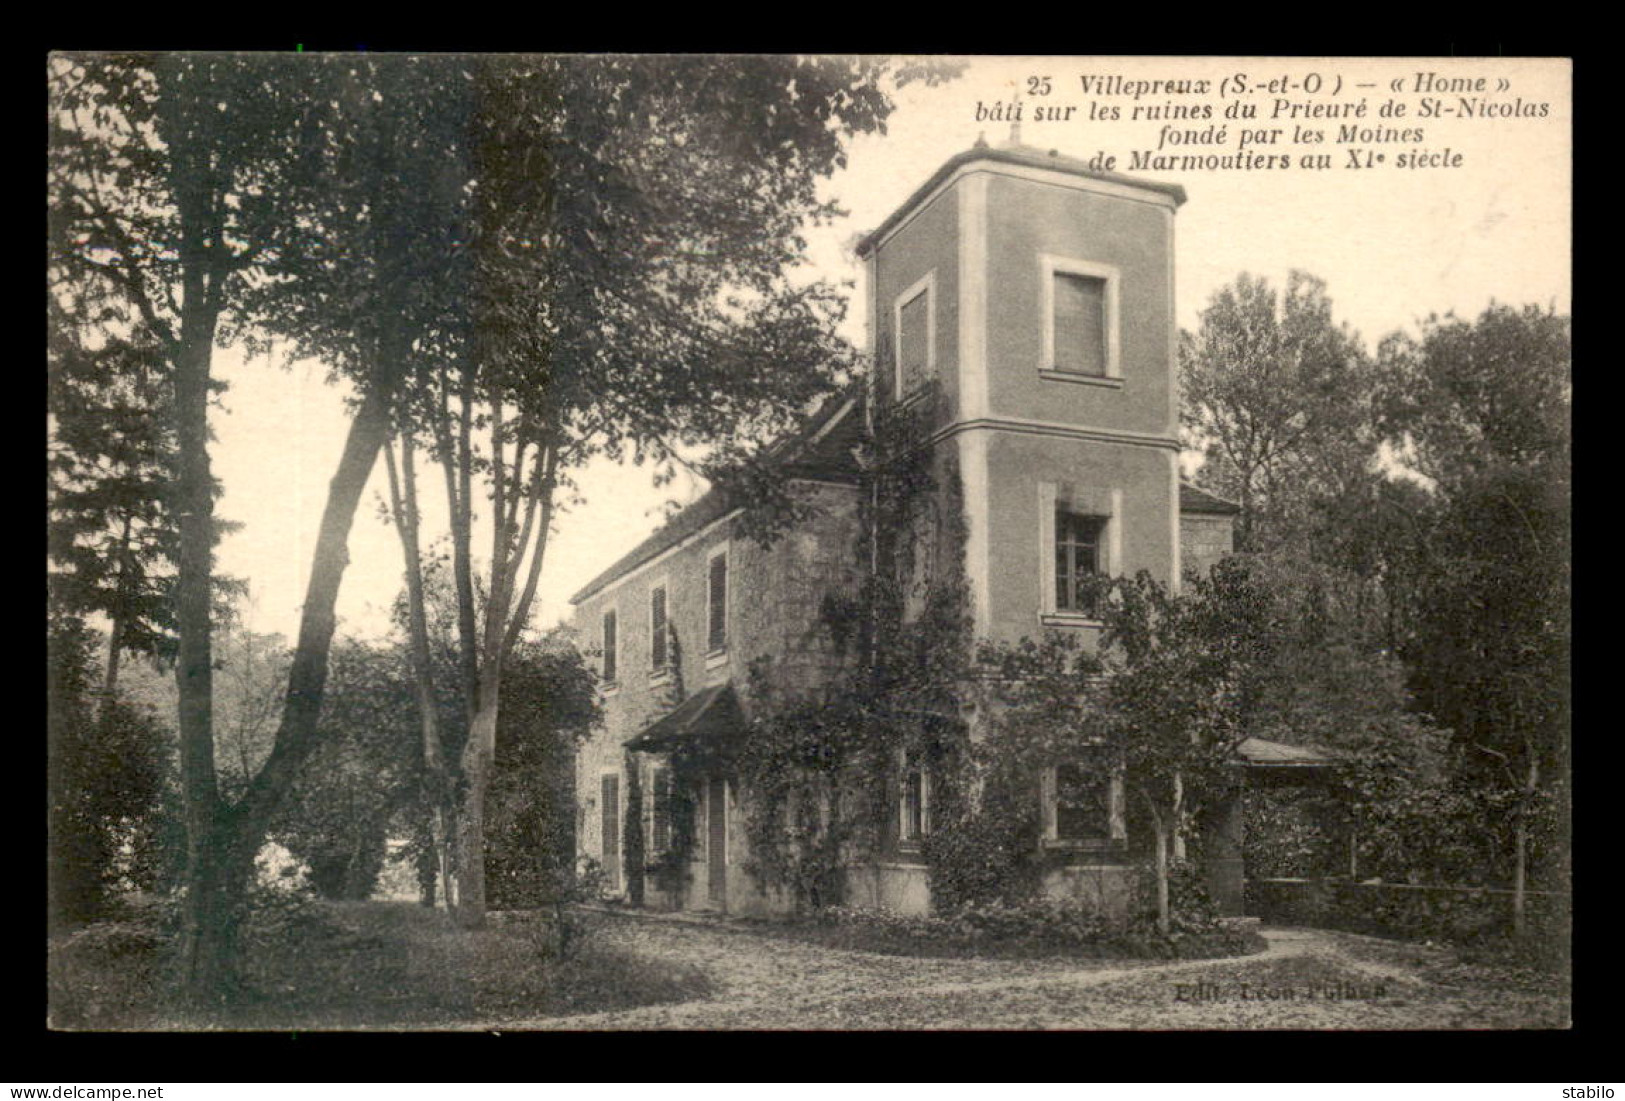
[634,222]
[1465,398]
[183,175]
[106,768]
[1277,397]
[1166,699]
[553,705]
[109,462]
[1330,684]
[340,209]
[337,818]
[251,678]
[1482,408]
[1182,677]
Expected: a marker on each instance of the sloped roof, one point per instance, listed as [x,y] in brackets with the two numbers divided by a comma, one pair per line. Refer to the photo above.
[1192,499]
[1261,753]
[710,714]
[1022,155]
[821,449]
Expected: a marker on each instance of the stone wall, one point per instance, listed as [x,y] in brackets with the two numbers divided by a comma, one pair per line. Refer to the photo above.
[1203,540]
[775,620]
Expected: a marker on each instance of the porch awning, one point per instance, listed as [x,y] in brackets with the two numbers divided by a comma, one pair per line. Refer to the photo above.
[1260,753]
[710,716]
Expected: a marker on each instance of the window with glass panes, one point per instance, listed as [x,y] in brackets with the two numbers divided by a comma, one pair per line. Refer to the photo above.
[1077,559]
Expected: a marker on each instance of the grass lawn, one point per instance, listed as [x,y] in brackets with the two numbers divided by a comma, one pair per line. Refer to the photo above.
[373,965]
[397,966]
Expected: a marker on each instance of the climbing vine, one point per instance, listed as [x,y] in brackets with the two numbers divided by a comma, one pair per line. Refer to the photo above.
[632,847]
[822,772]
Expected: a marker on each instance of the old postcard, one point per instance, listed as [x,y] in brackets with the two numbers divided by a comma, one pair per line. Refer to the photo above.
[809,543]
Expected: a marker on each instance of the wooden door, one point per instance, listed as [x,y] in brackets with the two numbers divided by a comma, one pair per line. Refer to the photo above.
[716,842]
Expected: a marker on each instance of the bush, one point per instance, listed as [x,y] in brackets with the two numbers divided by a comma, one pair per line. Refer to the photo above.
[1462,916]
[1190,908]
[106,976]
[1034,927]
[980,859]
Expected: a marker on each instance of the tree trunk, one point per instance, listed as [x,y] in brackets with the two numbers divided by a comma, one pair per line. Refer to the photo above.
[115,639]
[1164,924]
[1161,828]
[405,504]
[477,758]
[207,927]
[1179,817]
[1520,871]
[219,875]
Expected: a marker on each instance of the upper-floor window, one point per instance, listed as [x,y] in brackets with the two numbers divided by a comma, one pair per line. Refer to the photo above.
[1080,323]
[915,323]
[659,651]
[716,632]
[1080,318]
[610,662]
[1077,560]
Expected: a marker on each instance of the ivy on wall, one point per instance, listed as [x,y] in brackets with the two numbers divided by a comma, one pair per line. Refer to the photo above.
[821,775]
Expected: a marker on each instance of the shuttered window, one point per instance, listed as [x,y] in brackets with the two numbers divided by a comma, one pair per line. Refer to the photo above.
[658,656]
[716,635]
[914,342]
[610,828]
[1080,324]
[660,811]
[609,647]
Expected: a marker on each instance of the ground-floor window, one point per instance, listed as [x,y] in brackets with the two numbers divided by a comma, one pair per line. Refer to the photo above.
[1083,801]
[609,837]
[659,810]
[914,801]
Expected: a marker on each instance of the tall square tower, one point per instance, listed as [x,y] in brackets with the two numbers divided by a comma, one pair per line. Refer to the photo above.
[1036,296]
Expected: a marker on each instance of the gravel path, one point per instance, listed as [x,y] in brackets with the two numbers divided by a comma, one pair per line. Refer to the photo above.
[1305,979]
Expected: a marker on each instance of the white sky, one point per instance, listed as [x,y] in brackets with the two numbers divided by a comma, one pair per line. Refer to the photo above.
[1393,245]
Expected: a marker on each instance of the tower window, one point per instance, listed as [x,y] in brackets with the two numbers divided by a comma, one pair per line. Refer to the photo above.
[1077,560]
[915,317]
[1080,324]
[1079,313]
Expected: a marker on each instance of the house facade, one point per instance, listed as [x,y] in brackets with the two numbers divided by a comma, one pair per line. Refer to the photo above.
[1030,301]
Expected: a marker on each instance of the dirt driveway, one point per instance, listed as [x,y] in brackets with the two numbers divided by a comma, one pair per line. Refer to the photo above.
[1305,979]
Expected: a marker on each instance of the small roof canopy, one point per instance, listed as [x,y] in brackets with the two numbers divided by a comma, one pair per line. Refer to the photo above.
[710,717]
[1259,753]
